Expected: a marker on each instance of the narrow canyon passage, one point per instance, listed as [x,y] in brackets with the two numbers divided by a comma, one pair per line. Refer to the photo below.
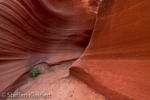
[108,40]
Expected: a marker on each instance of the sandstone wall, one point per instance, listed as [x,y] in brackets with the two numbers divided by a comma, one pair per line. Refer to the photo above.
[35,31]
[116,62]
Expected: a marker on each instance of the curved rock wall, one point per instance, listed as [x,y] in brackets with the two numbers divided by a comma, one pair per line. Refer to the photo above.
[116,62]
[34,31]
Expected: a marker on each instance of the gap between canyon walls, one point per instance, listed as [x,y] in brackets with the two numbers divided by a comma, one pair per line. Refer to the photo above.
[35,31]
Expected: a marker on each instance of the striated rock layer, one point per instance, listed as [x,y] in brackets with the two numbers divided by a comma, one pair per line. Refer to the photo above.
[116,62]
[34,31]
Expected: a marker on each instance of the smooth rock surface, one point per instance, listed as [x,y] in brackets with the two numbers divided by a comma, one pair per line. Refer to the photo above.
[35,31]
[116,62]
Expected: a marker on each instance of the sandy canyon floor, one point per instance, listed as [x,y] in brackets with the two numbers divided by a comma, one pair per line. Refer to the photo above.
[55,83]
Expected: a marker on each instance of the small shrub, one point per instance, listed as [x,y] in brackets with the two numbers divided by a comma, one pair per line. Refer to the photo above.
[34,71]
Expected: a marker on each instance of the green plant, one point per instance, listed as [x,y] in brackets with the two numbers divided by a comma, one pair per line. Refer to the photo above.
[35,71]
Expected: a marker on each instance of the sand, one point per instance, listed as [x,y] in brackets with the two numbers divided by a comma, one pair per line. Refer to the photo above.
[54,83]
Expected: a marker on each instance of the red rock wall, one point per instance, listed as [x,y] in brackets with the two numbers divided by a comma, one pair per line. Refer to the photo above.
[34,31]
[116,62]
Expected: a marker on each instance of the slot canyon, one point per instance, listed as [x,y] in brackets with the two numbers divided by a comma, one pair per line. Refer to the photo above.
[85,49]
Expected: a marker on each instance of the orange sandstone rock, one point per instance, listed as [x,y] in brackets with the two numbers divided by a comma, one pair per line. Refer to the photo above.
[116,62]
[35,31]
